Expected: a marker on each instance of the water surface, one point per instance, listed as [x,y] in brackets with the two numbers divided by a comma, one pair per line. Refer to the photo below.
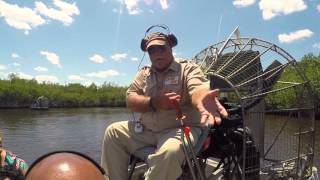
[31,134]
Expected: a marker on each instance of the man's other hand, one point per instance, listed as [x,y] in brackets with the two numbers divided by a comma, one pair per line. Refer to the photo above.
[211,109]
[164,101]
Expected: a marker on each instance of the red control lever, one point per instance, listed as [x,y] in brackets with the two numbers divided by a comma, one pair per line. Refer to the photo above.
[180,117]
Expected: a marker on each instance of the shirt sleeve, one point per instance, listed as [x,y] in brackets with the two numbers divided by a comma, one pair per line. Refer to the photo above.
[138,84]
[195,78]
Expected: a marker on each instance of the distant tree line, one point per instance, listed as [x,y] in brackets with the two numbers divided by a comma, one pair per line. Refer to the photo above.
[16,92]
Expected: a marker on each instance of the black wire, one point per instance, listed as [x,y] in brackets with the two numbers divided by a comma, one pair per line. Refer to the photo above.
[163,26]
[144,54]
[141,60]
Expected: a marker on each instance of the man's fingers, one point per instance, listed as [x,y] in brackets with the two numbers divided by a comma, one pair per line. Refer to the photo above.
[173,96]
[221,109]
[217,119]
[176,97]
[210,120]
[169,94]
[203,119]
[174,100]
[214,92]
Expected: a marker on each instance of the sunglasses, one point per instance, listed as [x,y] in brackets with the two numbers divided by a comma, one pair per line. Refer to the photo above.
[157,49]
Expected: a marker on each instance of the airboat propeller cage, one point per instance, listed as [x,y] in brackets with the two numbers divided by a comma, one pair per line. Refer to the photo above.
[249,66]
[253,70]
[224,85]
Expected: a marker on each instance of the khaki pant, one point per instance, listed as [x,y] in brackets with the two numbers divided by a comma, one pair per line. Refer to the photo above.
[120,141]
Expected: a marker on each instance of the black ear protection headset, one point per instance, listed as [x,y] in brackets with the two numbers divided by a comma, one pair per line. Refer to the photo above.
[72,152]
[171,38]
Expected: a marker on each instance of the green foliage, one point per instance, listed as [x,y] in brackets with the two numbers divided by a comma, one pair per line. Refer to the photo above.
[17,92]
[309,66]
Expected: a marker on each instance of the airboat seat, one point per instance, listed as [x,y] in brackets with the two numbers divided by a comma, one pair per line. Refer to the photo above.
[141,155]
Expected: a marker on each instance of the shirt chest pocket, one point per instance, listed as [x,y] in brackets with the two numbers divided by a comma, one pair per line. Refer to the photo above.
[172,83]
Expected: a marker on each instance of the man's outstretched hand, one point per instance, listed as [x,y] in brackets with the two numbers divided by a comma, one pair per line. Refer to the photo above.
[208,105]
[210,108]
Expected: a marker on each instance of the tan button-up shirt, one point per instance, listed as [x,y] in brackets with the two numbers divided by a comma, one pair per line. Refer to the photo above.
[180,77]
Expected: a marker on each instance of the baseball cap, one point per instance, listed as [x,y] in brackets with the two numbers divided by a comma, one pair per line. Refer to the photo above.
[156,38]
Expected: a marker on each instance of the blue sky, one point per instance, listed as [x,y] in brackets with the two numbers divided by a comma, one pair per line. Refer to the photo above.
[82,41]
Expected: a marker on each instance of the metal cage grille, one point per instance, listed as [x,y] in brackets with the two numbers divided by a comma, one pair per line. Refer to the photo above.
[249,72]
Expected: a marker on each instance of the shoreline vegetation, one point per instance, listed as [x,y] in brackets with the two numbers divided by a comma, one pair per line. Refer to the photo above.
[21,93]
[309,66]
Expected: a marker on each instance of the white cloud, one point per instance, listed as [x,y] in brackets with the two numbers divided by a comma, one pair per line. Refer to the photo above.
[3,75]
[177,56]
[69,9]
[134,59]
[39,78]
[40,69]
[272,8]
[243,3]
[316,45]
[24,76]
[15,64]
[132,6]
[21,18]
[89,82]
[15,56]
[52,58]
[47,78]
[3,67]
[135,11]
[148,2]
[63,14]
[119,56]
[104,74]
[75,77]
[318,8]
[164,4]
[97,58]
[294,36]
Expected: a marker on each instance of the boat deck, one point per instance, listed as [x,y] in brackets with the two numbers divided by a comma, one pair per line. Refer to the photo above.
[141,168]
